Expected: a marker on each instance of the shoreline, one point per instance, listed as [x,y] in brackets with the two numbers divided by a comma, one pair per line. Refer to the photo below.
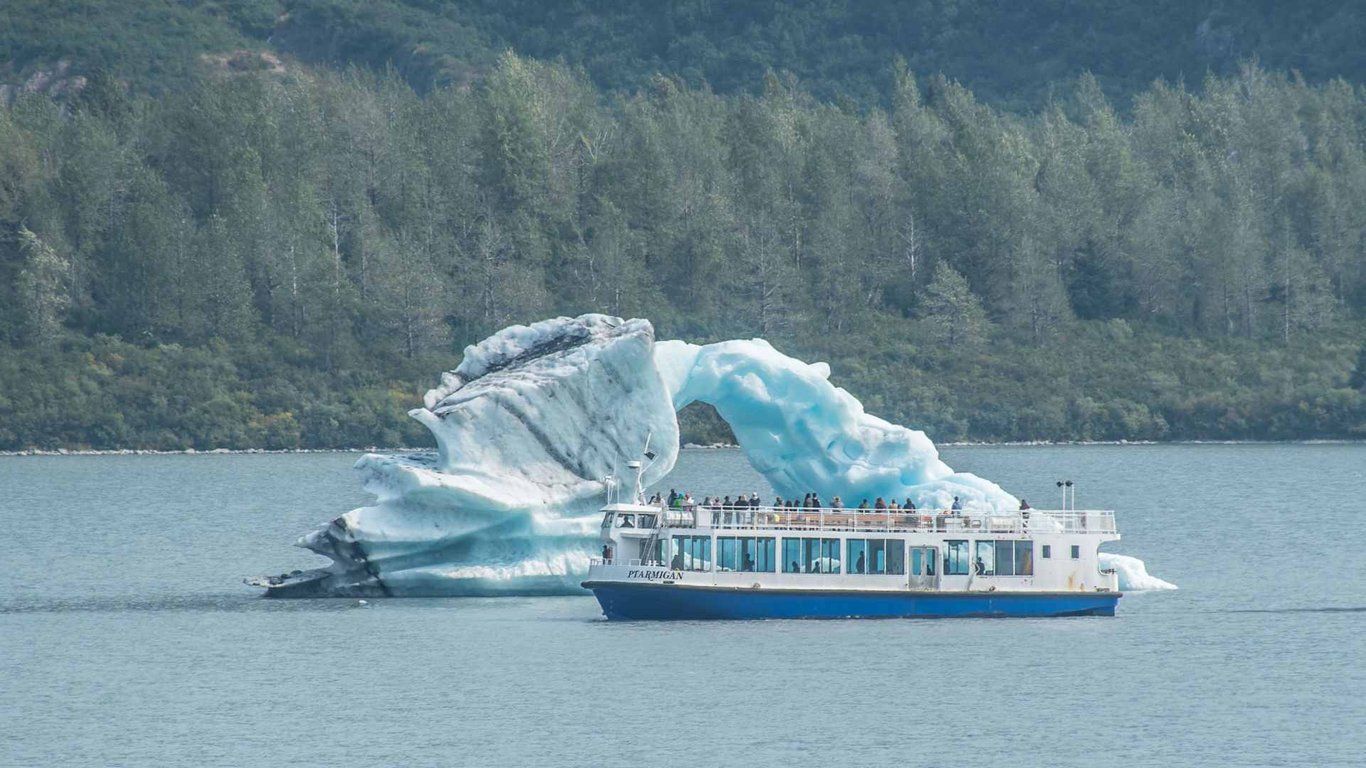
[687,446]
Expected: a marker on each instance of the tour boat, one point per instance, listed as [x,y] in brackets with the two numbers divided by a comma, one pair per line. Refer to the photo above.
[743,562]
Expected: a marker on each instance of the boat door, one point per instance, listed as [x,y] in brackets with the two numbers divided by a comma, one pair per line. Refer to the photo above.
[921,573]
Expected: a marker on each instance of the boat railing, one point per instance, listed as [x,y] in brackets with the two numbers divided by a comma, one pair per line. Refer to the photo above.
[898,520]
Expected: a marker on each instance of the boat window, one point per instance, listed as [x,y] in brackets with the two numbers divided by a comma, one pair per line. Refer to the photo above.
[811,555]
[1076,551]
[877,556]
[830,555]
[858,555]
[626,521]
[896,556]
[792,555]
[820,555]
[757,554]
[726,551]
[1047,552]
[607,520]
[738,553]
[648,521]
[922,561]
[1005,558]
[691,553]
[984,562]
[956,560]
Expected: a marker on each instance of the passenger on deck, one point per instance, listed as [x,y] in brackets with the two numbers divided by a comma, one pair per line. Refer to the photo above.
[777,502]
[836,503]
[677,563]
[909,506]
[858,564]
[673,496]
[863,504]
[725,504]
[606,552]
[816,500]
[1024,505]
[979,567]
[688,500]
[879,504]
[754,500]
[957,507]
[892,506]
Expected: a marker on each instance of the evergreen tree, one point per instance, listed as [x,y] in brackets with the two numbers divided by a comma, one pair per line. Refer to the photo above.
[40,289]
[951,310]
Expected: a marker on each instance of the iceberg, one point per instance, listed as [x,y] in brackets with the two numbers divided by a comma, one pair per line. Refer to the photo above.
[1133,574]
[535,427]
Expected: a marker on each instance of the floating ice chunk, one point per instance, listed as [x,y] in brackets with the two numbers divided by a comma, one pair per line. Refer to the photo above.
[1133,574]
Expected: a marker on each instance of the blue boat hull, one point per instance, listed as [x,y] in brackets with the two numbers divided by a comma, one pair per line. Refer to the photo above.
[672,602]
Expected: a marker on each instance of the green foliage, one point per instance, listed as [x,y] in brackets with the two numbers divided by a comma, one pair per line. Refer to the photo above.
[158,43]
[1010,53]
[102,393]
[39,289]
[286,260]
[955,315]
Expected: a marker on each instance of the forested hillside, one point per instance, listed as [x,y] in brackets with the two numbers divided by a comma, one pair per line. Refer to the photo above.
[1011,54]
[287,260]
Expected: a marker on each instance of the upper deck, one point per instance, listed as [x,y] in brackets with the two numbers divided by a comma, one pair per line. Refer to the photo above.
[818,519]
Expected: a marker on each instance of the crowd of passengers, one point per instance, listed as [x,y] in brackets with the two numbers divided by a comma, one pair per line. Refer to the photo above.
[812,500]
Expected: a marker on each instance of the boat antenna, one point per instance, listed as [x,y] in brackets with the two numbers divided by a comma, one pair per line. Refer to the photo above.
[1068,485]
[639,467]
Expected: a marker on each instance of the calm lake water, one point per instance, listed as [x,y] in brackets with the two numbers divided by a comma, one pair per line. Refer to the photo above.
[126,637]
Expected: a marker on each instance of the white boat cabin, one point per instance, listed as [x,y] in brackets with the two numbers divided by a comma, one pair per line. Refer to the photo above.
[863,550]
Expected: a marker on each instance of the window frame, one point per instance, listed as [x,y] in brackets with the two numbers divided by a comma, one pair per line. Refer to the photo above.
[852,558]
[988,566]
[1024,566]
[792,557]
[957,563]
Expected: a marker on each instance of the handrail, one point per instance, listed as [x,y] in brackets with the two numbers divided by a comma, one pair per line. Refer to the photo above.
[900,520]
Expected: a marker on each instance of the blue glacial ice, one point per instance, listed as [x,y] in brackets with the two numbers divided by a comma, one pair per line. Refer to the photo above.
[536,420]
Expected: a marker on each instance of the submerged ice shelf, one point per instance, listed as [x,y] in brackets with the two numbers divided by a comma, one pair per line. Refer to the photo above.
[536,418]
